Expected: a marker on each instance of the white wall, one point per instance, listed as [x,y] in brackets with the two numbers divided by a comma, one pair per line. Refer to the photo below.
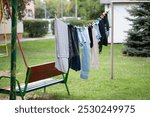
[8,27]
[29,15]
[121,24]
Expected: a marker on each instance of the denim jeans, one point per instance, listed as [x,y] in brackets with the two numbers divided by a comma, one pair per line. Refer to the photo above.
[84,41]
[97,31]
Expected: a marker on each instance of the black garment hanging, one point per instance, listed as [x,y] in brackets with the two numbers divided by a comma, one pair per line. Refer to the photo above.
[104,38]
[74,54]
[90,35]
[100,46]
[106,22]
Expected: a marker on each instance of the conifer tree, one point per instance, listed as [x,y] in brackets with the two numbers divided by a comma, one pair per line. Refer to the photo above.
[138,40]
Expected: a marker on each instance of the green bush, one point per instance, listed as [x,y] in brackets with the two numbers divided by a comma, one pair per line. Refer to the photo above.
[25,34]
[36,28]
[76,22]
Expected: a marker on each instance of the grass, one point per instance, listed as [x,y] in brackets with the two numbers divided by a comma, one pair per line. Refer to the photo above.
[131,75]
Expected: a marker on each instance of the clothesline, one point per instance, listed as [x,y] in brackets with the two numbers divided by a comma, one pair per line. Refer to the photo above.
[104,13]
[89,38]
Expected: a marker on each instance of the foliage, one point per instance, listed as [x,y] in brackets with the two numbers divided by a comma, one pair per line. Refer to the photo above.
[75,21]
[138,41]
[87,9]
[39,9]
[53,7]
[21,6]
[90,9]
[25,34]
[36,28]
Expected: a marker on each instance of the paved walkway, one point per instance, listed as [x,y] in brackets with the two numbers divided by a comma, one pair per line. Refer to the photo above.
[48,36]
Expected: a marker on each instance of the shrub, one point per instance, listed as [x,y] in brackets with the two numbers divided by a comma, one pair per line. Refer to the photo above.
[36,28]
[25,34]
[76,22]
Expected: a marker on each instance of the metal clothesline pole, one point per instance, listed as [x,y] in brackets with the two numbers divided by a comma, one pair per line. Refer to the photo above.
[112,33]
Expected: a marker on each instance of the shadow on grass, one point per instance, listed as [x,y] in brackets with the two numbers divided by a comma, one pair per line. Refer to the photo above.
[46,96]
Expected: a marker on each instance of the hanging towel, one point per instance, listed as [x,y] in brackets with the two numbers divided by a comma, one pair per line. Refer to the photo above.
[62,46]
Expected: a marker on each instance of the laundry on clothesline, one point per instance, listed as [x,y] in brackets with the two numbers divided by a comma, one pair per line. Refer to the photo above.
[90,39]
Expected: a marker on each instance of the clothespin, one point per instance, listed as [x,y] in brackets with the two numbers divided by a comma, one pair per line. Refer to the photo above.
[102,15]
[93,23]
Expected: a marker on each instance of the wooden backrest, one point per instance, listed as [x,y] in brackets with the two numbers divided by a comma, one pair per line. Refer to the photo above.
[43,71]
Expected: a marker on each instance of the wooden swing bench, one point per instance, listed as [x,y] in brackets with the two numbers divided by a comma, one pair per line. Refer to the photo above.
[37,77]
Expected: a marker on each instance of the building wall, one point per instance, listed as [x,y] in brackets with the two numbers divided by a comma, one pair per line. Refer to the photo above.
[121,24]
[5,28]
[30,14]
[30,10]
[7,25]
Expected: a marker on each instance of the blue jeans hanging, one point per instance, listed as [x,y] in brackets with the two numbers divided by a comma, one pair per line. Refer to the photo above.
[84,41]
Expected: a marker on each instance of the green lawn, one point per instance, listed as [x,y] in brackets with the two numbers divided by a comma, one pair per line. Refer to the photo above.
[131,75]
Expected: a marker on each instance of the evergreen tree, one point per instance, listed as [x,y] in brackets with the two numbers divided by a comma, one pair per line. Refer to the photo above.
[138,40]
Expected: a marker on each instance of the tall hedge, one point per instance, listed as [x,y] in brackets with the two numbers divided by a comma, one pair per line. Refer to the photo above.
[36,28]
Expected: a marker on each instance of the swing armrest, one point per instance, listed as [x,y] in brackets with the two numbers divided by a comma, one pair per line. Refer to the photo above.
[18,83]
[4,77]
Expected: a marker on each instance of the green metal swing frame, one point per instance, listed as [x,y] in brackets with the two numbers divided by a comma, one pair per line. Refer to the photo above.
[37,77]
